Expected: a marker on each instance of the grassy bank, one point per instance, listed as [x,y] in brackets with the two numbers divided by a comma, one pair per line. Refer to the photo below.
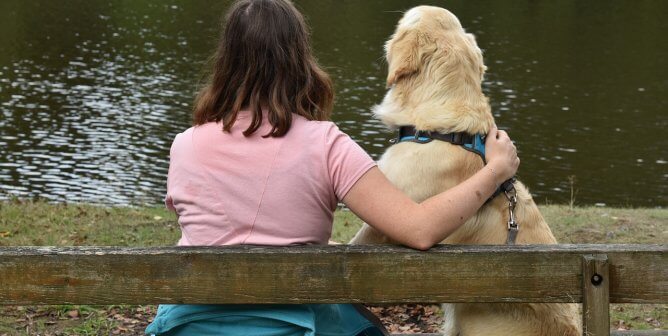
[39,223]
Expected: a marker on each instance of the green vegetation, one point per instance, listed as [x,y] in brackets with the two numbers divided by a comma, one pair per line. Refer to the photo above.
[39,223]
[25,223]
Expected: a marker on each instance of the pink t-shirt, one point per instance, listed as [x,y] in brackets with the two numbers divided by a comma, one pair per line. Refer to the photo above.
[229,189]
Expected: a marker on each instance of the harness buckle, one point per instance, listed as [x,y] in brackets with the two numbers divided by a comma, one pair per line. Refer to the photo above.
[425,135]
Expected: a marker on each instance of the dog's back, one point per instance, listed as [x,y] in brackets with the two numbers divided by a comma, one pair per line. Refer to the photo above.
[435,75]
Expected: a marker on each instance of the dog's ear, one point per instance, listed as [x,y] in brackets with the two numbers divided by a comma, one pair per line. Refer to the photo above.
[403,55]
[478,55]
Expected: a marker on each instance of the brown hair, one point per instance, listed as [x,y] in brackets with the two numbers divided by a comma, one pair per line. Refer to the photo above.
[264,60]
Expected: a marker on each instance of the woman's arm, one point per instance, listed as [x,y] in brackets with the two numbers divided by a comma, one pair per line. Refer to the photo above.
[379,203]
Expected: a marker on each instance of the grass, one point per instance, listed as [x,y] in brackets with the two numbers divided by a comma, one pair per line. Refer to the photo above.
[24,223]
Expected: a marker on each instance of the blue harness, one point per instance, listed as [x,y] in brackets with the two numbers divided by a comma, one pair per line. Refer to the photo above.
[472,143]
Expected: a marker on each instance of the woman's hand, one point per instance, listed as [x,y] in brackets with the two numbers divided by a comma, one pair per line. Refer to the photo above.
[501,155]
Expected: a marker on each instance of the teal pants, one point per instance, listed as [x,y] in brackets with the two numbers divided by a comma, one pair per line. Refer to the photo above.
[237,325]
[265,320]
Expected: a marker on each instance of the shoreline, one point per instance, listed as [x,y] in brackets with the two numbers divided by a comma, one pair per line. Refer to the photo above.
[24,222]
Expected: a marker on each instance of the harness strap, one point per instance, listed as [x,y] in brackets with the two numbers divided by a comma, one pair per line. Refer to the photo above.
[472,143]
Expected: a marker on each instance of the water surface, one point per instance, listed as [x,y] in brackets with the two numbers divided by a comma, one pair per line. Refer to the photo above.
[92,92]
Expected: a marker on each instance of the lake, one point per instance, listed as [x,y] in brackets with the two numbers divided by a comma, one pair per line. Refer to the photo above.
[92,92]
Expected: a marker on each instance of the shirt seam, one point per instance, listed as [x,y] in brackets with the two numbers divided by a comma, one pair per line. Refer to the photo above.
[264,189]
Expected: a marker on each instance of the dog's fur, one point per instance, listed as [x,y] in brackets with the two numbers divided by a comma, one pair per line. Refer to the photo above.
[434,80]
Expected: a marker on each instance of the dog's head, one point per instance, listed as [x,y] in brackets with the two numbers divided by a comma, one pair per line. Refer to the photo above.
[428,35]
[435,72]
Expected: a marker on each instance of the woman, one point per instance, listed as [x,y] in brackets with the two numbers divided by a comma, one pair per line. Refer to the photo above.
[262,165]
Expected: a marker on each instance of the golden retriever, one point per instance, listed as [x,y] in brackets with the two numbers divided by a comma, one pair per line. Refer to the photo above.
[434,80]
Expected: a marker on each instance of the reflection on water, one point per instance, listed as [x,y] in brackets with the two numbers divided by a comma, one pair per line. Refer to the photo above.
[93,92]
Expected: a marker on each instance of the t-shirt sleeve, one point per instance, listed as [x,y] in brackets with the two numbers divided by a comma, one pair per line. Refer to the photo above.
[346,161]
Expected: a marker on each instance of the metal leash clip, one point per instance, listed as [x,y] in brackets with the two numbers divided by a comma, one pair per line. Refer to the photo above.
[513,226]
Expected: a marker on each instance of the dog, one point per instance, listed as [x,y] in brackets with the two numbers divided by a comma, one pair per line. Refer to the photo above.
[435,71]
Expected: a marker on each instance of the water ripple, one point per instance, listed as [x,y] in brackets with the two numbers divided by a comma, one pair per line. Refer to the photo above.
[92,96]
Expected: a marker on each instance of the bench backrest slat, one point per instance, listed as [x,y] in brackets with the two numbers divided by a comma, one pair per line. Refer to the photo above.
[324,274]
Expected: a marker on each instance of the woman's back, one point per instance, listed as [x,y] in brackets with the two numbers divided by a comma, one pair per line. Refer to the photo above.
[231,189]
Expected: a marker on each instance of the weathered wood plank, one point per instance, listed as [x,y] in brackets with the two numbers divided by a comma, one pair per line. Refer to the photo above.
[324,274]
[596,295]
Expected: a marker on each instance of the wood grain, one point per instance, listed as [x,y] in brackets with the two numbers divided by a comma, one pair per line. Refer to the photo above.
[595,295]
[324,274]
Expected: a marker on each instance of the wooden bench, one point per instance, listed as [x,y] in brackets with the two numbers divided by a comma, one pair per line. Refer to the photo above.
[594,275]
